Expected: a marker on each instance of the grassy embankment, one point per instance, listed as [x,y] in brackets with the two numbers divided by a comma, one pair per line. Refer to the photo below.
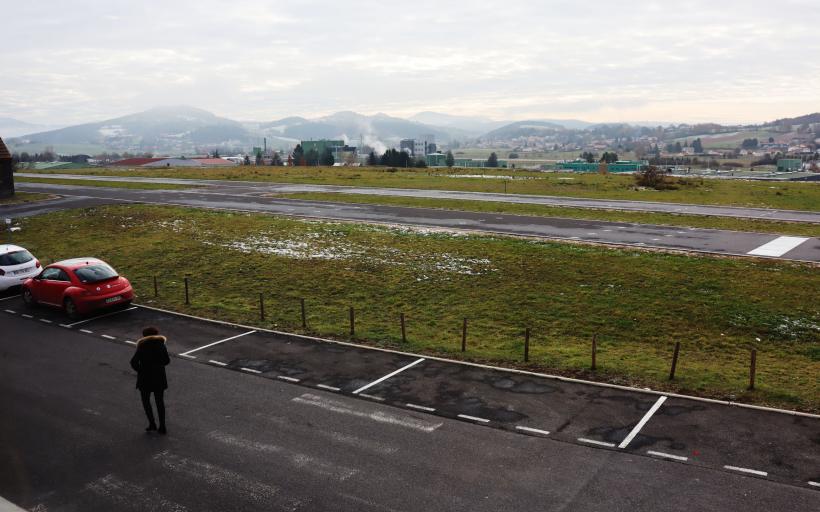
[694,221]
[110,184]
[24,197]
[786,195]
[640,303]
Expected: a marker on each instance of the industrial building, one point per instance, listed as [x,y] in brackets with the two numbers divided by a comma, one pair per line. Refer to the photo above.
[789,165]
[619,166]
[420,146]
[440,160]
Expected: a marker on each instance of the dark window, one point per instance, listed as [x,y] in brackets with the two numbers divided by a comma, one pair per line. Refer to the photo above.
[94,273]
[62,276]
[51,273]
[15,258]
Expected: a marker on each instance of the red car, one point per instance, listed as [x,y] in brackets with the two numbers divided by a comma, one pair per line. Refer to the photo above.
[79,286]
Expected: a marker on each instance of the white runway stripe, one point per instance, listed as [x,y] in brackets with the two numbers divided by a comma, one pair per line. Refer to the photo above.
[778,247]
[643,421]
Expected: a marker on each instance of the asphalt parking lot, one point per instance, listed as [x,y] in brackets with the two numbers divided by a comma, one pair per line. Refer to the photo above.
[778,446]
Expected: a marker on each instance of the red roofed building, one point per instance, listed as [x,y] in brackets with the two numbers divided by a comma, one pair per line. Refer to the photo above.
[214,162]
[135,162]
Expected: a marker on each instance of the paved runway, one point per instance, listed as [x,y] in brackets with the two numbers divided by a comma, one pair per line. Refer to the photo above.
[266,421]
[617,233]
[606,204]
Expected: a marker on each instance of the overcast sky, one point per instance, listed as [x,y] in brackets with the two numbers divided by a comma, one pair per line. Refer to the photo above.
[597,60]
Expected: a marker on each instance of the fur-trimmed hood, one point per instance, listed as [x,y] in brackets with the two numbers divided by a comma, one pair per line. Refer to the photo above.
[147,339]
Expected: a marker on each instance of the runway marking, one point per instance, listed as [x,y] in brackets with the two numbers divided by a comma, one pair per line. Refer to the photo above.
[532,430]
[220,363]
[45,321]
[814,484]
[10,311]
[747,470]
[251,370]
[391,374]
[341,407]
[330,388]
[108,337]
[667,455]
[473,418]
[26,316]
[421,407]
[778,247]
[130,342]
[643,421]
[86,331]
[187,356]
[372,397]
[289,379]
[593,441]
[101,316]
[217,342]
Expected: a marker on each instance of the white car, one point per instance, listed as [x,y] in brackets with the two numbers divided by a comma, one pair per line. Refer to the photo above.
[16,265]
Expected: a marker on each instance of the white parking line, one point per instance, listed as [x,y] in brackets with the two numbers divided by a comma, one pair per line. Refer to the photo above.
[667,455]
[414,363]
[26,316]
[372,397]
[643,421]
[217,342]
[86,331]
[330,388]
[747,470]
[45,321]
[130,342]
[778,247]
[814,484]
[108,337]
[220,363]
[289,379]
[421,407]
[101,316]
[593,441]
[473,418]
[9,298]
[187,356]
[10,311]
[533,430]
[251,370]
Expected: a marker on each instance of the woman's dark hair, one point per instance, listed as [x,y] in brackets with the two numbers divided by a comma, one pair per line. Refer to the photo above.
[150,331]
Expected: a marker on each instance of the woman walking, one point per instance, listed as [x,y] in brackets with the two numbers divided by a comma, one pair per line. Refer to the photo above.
[149,362]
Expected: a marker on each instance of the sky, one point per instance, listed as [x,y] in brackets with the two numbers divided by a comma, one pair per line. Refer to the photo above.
[729,61]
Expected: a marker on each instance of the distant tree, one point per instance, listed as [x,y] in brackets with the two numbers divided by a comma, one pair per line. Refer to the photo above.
[697,146]
[512,156]
[298,155]
[608,157]
[493,160]
[678,147]
[327,157]
[259,160]
[372,159]
[25,157]
[215,154]
[396,158]
[312,157]
[588,156]
[247,160]
[276,159]
[449,159]
[771,140]
[421,162]
[749,144]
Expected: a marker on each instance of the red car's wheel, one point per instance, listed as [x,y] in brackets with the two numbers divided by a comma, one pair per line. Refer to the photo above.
[70,309]
[28,298]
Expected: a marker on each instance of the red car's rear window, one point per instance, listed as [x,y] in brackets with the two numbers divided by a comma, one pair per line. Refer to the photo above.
[94,273]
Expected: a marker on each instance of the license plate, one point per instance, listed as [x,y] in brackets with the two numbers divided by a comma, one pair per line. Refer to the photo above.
[113,299]
[22,271]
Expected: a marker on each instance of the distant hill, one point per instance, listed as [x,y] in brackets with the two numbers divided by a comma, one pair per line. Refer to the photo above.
[162,129]
[10,127]
[523,129]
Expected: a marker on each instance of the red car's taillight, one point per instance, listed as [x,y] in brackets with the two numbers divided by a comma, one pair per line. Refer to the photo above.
[37,263]
[2,272]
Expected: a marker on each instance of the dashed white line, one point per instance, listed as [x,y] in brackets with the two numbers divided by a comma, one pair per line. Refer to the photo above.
[747,470]
[289,379]
[593,441]
[421,407]
[249,370]
[643,421]
[26,316]
[473,418]
[101,316]
[9,298]
[532,430]
[218,363]
[187,356]
[814,484]
[108,337]
[372,397]
[779,246]
[86,331]
[329,388]
[45,321]
[10,311]
[405,367]
[130,342]
[218,342]
[667,455]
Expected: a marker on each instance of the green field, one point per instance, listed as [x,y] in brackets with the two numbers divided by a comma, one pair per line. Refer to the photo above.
[665,219]
[786,195]
[111,184]
[638,302]
[24,197]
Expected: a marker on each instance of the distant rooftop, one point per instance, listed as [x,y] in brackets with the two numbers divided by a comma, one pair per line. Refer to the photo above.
[4,151]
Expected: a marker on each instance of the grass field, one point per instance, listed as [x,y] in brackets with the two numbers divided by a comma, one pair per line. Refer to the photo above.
[787,195]
[110,184]
[697,221]
[640,303]
[24,197]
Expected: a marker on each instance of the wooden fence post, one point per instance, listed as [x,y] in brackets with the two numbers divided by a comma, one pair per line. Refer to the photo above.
[526,345]
[352,323]
[674,361]
[156,289]
[304,318]
[187,301]
[752,369]
[261,307]
[594,351]
[464,335]
[403,330]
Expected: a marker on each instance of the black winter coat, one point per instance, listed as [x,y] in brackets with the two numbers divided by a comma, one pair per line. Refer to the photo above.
[149,362]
